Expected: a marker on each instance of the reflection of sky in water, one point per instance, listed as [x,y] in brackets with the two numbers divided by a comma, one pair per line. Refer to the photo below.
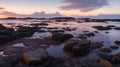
[108,38]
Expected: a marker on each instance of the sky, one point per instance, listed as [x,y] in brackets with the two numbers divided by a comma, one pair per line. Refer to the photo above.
[53,8]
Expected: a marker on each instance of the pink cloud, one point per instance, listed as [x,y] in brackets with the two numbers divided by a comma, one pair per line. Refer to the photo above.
[1,8]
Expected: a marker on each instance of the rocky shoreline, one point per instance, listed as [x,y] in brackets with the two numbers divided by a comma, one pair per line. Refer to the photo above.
[17,49]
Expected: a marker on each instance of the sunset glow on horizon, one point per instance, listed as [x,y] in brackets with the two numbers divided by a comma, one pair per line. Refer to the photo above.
[43,8]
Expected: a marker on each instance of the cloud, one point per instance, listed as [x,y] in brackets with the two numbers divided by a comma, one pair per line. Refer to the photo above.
[34,15]
[84,5]
[1,8]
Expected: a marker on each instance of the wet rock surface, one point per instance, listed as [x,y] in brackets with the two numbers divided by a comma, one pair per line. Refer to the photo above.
[61,36]
[95,45]
[114,47]
[6,34]
[102,28]
[25,32]
[96,63]
[37,56]
[107,50]
[90,34]
[117,42]
[76,49]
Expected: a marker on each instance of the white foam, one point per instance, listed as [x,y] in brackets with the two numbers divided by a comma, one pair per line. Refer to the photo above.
[2,54]
[40,35]
[19,45]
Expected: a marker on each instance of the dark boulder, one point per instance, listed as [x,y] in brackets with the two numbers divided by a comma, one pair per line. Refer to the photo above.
[7,31]
[4,63]
[6,34]
[114,47]
[25,32]
[107,50]
[117,28]
[102,28]
[90,34]
[105,56]
[95,45]
[37,56]
[117,42]
[61,36]
[6,38]
[115,59]
[96,63]
[77,49]
[111,58]
[39,24]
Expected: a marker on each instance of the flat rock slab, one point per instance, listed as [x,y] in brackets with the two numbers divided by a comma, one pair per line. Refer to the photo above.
[37,56]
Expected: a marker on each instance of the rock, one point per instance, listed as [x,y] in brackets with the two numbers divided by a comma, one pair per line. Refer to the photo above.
[61,36]
[83,37]
[118,54]
[13,59]
[105,56]
[69,44]
[77,49]
[7,31]
[79,22]
[96,31]
[6,34]
[43,24]
[90,34]
[115,59]
[37,56]
[117,42]
[11,50]
[64,24]
[114,47]
[25,32]
[96,63]
[107,50]
[111,26]
[96,45]
[102,28]
[69,29]
[57,31]
[110,58]
[107,32]
[117,28]
[4,63]
[105,63]
[6,38]
[2,27]
[52,27]
[39,24]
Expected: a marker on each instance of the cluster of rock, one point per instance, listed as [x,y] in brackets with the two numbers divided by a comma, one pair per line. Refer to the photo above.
[109,27]
[33,57]
[9,34]
[39,57]
[96,63]
[111,58]
[6,34]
